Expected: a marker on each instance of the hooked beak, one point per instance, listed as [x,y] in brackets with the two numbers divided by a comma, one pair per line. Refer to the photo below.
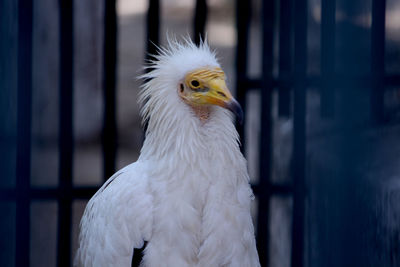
[236,109]
[218,94]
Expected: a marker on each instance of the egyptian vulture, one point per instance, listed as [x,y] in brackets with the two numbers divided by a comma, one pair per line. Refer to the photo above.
[188,194]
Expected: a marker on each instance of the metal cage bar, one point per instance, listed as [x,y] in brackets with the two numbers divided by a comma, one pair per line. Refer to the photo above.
[109,133]
[199,22]
[299,130]
[65,133]
[243,11]
[328,10]
[285,55]
[268,15]
[378,59]
[153,28]
[24,132]
[48,193]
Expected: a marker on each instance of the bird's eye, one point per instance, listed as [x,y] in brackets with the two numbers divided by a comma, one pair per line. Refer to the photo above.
[195,83]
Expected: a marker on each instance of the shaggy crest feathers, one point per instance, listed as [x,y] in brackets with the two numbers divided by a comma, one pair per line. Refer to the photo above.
[168,67]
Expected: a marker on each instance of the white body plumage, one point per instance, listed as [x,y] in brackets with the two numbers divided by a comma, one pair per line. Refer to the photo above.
[188,194]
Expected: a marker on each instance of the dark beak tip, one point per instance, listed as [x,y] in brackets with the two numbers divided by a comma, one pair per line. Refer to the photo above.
[236,109]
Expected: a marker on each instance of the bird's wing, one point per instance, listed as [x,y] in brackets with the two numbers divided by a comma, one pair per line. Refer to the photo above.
[117,219]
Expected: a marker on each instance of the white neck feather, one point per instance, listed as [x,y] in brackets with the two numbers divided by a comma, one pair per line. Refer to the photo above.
[179,133]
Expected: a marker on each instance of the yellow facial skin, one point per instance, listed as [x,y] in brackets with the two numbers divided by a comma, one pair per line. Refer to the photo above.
[207,86]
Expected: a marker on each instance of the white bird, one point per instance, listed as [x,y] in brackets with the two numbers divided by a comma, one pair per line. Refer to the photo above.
[188,194]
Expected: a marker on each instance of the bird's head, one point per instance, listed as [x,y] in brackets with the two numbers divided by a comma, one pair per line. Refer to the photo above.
[206,86]
[189,75]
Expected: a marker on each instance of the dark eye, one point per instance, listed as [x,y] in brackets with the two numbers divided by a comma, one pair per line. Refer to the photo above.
[195,83]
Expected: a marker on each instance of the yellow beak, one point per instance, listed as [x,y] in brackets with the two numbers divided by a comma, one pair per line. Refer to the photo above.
[216,93]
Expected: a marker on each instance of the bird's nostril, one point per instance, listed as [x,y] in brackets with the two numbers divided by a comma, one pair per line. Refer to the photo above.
[221,94]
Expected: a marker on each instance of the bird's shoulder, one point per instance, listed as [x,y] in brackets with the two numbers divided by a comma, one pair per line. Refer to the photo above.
[116,219]
[128,178]
[126,188]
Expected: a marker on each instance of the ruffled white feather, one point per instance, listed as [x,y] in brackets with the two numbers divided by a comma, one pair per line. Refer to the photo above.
[188,195]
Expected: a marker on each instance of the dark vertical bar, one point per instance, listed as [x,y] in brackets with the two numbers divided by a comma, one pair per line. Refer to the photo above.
[24,132]
[328,9]
[65,132]
[268,8]
[153,26]
[242,26]
[285,55]
[200,18]
[299,131]
[378,59]
[109,133]
[153,29]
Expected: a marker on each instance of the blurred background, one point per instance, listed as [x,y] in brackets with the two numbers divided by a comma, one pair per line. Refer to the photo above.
[319,81]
